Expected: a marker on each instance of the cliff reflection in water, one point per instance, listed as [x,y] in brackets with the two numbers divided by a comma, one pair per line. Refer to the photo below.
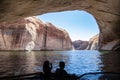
[78,62]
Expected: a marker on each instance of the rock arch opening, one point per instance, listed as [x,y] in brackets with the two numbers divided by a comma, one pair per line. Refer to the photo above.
[106,12]
[80,25]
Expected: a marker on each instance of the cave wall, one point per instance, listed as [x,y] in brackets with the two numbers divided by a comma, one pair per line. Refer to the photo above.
[106,12]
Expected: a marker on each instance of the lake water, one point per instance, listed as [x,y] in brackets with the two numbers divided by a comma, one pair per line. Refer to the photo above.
[77,61]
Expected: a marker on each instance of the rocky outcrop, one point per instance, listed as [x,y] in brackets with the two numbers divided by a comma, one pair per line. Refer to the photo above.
[93,43]
[80,45]
[106,12]
[32,34]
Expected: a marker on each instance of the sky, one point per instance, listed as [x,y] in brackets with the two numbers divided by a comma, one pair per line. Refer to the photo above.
[80,25]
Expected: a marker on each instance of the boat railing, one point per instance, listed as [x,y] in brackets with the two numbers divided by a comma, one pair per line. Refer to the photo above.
[86,76]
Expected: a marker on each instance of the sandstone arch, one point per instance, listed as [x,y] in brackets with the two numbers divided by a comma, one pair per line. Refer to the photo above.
[106,12]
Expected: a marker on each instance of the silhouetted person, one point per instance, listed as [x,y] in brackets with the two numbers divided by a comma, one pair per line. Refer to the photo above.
[47,66]
[60,73]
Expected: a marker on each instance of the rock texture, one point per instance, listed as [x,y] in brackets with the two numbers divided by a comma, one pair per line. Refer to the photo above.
[80,45]
[32,34]
[93,43]
[106,12]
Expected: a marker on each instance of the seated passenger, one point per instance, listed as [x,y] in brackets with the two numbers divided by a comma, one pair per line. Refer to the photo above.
[60,73]
[47,66]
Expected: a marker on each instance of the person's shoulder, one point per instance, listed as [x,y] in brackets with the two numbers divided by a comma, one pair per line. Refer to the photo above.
[65,71]
[57,69]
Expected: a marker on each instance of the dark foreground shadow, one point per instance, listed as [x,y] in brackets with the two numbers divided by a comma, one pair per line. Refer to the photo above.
[86,76]
[37,76]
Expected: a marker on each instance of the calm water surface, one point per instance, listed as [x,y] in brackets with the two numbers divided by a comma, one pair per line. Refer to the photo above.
[78,62]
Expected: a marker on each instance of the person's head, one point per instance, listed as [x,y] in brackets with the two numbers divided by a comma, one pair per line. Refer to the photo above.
[62,64]
[46,63]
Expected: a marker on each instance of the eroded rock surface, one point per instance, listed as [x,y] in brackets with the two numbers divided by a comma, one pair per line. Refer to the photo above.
[106,12]
[32,34]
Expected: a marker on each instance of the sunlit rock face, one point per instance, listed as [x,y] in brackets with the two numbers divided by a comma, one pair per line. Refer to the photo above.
[93,43]
[106,12]
[57,39]
[32,34]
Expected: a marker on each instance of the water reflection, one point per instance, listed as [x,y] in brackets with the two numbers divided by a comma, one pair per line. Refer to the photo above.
[78,62]
[84,61]
[30,61]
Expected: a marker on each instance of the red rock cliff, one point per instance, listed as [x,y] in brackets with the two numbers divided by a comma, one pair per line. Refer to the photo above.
[31,33]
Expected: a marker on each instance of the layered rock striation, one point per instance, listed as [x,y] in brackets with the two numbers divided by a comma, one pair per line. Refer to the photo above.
[32,34]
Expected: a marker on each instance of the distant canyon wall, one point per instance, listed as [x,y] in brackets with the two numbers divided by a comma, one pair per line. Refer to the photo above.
[80,45]
[32,34]
[92,44]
